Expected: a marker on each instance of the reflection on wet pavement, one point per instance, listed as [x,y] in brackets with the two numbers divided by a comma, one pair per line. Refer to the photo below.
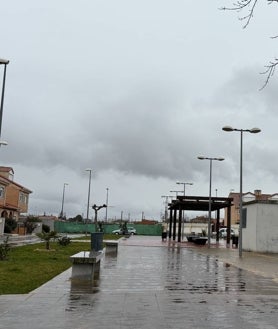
[176,287]
[149,288]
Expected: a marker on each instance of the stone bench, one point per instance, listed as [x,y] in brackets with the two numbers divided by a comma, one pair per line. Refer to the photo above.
[111,246]
[86,265]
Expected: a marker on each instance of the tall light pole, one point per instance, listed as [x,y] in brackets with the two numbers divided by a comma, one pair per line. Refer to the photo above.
[210,176]
[252,131]
[89,192]
[182,183]
[4,62]
[63,199]
[166,206]
[106,209]
[177,192]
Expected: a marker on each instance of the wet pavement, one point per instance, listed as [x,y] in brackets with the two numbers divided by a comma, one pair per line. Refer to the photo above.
[151,284]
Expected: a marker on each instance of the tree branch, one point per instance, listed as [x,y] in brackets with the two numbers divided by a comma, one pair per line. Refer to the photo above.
[241,5]
[269,71]
[250,5]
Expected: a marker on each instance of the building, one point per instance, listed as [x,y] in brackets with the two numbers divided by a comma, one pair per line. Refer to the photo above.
[260,226]
[14,198]
[246,197]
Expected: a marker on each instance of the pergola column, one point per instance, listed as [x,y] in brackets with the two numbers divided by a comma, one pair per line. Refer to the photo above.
[180,220]
[228,226]
[175,224]
[170,223]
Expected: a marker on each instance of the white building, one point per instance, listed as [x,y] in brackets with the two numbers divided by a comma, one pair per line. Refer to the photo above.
[260,226]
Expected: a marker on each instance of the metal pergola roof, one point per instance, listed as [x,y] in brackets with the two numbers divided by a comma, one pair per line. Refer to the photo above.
[199,203]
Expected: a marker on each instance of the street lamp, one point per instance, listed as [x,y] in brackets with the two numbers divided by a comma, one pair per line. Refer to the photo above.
[252,131]
[89,192]
[181,183]
[177,192]
[210,175]
[63,199]
[106,209]
[4,62]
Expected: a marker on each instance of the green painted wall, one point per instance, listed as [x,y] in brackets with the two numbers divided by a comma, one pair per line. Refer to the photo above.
[66,227]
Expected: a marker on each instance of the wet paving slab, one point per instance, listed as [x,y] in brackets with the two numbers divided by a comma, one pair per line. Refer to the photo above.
[150,287]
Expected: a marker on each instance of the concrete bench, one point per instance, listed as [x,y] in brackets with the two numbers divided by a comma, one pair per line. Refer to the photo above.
[111,246]
[86,265]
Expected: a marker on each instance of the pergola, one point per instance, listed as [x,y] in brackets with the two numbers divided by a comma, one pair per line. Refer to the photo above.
[197,203]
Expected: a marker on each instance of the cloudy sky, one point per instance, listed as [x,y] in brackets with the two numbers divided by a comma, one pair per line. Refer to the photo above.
[135,90]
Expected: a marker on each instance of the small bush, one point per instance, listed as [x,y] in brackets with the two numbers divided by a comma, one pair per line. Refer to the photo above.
[4,249]
[45,228]
[10,225]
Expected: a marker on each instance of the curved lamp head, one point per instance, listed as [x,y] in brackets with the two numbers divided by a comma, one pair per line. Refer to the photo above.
[228,128]
[4,61]
[255,130]
[207,158]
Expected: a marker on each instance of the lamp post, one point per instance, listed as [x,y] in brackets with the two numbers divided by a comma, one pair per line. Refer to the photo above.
[4,62]
[166,206]
[89,192]
[106,209]
[63,199]
[182,183]
[210,176]
[177,192]
[252,131]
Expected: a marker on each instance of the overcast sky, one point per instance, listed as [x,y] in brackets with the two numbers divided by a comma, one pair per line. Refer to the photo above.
[135,90]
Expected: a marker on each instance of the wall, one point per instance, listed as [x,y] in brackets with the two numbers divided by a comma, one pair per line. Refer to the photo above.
[141,229]
[249,234]
[261,233]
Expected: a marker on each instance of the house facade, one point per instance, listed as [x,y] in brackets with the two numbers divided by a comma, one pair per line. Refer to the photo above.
[246,197]
[14,198]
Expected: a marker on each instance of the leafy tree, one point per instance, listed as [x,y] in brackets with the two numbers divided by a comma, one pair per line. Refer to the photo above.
[47,236]
[10,225]
[31,223]
[77,218]
[248,8]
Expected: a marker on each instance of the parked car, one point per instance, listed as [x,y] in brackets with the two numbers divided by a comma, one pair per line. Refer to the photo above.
[130,230]
[223,232]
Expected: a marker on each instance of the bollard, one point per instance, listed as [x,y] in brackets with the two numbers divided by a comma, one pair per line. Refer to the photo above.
[96,241]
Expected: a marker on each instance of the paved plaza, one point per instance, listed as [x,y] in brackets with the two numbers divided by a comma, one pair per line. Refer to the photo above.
[152,284]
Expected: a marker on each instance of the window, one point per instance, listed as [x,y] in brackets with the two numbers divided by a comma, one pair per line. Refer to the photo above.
[23,198]
[2,192]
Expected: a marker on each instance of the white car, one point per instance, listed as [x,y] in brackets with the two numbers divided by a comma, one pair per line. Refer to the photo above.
[130,230]
[223,232]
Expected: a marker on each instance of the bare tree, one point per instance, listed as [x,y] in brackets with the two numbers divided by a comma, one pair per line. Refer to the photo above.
[249,7]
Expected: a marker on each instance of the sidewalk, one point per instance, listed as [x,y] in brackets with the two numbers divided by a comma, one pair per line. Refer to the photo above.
[263,264]
[152,284]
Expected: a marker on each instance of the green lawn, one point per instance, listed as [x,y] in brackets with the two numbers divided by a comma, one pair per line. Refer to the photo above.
[30,266]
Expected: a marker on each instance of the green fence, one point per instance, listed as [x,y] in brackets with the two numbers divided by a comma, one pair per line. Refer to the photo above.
[69,227]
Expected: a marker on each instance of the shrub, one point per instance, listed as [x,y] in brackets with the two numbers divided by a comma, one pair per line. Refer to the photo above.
[45,228]
[10,225]
[47,237]
[4,249]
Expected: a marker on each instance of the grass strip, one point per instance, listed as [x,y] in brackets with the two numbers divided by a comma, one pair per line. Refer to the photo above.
[30,266]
